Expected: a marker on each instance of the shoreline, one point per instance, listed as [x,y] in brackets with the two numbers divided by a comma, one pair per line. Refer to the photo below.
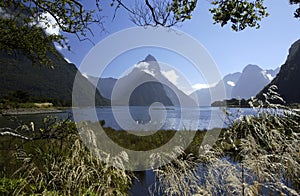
[28,111]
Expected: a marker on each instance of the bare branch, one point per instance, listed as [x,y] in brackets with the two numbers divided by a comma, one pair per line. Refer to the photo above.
[120,3]
[14,135]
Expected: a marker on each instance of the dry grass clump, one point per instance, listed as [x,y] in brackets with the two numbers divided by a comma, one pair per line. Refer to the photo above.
[65,166]
[257,155]
[80,172]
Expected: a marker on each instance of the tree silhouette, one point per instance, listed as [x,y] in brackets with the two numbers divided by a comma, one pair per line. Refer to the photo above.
[23,23]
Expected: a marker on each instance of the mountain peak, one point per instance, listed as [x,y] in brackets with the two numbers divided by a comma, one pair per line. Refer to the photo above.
[149,65]
[150,58]
[252,68]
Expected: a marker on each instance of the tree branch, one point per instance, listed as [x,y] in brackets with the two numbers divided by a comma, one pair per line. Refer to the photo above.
[14,135]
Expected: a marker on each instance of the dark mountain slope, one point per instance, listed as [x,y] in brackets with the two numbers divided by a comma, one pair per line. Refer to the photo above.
[288,78]
[18,74]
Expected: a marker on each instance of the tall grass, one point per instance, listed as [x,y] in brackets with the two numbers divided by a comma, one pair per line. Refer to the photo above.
[256,155]
[62,165]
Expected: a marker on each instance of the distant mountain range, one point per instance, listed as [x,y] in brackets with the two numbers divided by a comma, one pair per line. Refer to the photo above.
[252,81]
[43,83]
[238,85]
[18,74]
[144,85]
[288,78]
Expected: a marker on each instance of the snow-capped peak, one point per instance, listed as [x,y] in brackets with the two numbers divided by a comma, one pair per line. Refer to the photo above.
[149,65]
[145,67]
[270,77]
[267,75]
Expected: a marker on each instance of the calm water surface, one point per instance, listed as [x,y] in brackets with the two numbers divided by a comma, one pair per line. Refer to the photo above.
[131,118]
[175,118]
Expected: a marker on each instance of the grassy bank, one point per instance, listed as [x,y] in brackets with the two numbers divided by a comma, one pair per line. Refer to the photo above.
[255,155]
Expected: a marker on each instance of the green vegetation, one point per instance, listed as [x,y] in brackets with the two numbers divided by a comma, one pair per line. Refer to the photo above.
[240,14]
[52,160]
[255,155]
[20,82]
[23,22]
[234,103]
[153,139]
[22,99]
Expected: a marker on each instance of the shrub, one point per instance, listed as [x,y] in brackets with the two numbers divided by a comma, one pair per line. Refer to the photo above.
[256,155]
[56,162]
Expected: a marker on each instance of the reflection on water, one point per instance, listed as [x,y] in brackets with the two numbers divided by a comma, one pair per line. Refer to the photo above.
[144,180]
[176,118]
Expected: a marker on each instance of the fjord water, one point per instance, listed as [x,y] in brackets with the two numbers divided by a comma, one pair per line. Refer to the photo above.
[176,118]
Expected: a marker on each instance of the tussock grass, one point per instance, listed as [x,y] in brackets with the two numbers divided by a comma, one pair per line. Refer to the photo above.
[256,155]
[60,164]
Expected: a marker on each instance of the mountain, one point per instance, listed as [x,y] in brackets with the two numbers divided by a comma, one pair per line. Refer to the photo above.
[41,82]
[288,78]
[228,82]
[238,85]
[104,85]
[251,81]
[144,85]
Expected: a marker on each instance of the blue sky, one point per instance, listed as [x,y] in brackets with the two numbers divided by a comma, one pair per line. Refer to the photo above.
[232,51]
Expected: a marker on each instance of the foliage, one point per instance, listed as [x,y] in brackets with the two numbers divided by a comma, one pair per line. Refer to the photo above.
[268,146]
[54,161]
[231,103]
[176,178]
[240,14]
[22,99]
[153,139]
[7,185]
[257,154]
[22,23]
[297,12]
[30,41]
[78,171]
[40,84]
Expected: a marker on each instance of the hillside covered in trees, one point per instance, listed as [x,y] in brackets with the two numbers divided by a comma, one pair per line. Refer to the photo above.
[20,81]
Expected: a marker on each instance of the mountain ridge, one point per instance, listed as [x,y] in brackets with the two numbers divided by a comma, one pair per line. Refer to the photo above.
[42,82]
[238,85]
[287,80]
[154,87]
